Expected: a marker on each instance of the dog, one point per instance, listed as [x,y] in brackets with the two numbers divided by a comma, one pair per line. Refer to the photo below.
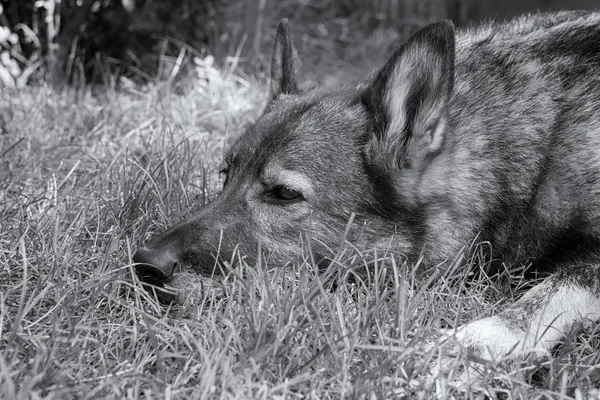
[489,134]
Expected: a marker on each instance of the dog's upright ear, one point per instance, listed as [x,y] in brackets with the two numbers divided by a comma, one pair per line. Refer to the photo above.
[409,97]
[285,63]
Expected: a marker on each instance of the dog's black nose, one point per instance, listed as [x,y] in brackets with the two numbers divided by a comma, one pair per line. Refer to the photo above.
[154,266]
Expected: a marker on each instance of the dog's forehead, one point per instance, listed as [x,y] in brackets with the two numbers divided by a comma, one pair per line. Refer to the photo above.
[315,110]
[317,104]
[295,127]
[332,116]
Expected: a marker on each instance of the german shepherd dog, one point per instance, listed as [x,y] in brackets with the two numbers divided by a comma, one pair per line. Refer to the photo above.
[490,134]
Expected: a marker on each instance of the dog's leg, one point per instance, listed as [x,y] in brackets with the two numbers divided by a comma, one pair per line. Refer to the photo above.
[540,318]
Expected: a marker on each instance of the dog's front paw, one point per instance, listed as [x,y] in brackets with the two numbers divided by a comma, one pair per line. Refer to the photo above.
[467,352]
[489,338]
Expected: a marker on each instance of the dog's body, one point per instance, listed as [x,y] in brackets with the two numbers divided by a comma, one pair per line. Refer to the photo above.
[490,135]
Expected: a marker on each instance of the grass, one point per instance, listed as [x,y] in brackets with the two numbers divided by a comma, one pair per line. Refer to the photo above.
[87,175]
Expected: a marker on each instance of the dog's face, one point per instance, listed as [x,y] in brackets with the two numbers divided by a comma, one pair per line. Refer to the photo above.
[316,160]
[286,169]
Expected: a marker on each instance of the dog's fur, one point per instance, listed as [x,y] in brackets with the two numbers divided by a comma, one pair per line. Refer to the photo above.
[489,134]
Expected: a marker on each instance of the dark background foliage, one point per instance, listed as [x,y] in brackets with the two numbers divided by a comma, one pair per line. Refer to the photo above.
[81,41]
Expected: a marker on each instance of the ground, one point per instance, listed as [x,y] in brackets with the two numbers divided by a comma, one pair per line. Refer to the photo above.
[86,175]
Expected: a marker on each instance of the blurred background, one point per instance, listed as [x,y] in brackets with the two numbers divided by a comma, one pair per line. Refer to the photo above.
[93,41]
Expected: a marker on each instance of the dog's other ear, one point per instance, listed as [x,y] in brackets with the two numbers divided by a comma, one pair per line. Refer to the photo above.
[408,98]
[285,63]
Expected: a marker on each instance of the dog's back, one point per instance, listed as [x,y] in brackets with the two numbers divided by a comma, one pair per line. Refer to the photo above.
[522,165]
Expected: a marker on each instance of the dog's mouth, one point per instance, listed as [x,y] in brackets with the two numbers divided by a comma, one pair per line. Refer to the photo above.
[154,279]
[179,288]
[161,289]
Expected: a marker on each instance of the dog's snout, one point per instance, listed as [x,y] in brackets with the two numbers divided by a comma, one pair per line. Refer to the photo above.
[154,265]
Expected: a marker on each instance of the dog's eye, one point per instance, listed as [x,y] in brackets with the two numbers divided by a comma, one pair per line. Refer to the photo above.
[283,195]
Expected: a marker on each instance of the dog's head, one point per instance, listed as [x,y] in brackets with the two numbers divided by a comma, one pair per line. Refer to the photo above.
[317,158]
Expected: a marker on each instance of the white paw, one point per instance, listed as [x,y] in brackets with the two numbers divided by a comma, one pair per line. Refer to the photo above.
[466,352]
[489,338]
